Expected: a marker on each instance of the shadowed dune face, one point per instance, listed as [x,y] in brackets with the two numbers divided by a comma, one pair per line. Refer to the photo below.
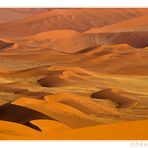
[14,113]
[4,45]
[135,39]
[73,74]
[60,112]
[121,100]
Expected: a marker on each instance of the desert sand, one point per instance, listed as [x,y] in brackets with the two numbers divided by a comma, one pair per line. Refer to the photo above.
[73,74]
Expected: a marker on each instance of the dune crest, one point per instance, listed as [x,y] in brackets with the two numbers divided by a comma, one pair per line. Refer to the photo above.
[115,96]
[5,44]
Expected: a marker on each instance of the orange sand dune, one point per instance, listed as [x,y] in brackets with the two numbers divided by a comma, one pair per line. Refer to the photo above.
[63,113]
[52,80]
[72,110]
[50,126]
[17,90]
[55,34]
[134,130]
[116,59]
[84,104]
[46,41]
[18,114]
[12,131]
[86,41]
[46,76]
[119,131]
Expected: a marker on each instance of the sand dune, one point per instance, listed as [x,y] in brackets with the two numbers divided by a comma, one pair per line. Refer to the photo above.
[135,24]
[134,61]
[9,15]
[58,111]
[76,42]
[52,81]
[84,104]
[113,94]
[125,130]
[16,91]
[50,126]
[14,113]
[48,41]
[116,131]
[12,131]
[90,40]
[56,34]
[75,19]
[5,44]
[72,110]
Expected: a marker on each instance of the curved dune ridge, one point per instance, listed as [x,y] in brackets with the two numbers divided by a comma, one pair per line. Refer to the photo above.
[19,89]
[60,112]
[106,49]
[55,34]
[115,96]
[41,70]
[84,104]
[47,76]
[52,80]
[125,130]
[71,43]
[60,76]
[72,110]
[134,61]
[135,24]
[11,130]
[63,71]
[64,41]
[4,44]
[50,126]
[22,115]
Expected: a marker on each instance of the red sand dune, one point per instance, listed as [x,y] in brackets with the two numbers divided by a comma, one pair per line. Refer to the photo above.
[132,25]
[115,95]
[75,19]
[5,44]
[9,15]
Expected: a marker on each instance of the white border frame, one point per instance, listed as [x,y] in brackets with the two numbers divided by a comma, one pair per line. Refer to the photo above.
[73,3]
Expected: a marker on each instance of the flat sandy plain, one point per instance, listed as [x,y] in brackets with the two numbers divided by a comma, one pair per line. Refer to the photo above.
[73,74]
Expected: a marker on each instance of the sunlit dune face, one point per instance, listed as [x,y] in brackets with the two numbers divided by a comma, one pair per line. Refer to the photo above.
[73,74]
